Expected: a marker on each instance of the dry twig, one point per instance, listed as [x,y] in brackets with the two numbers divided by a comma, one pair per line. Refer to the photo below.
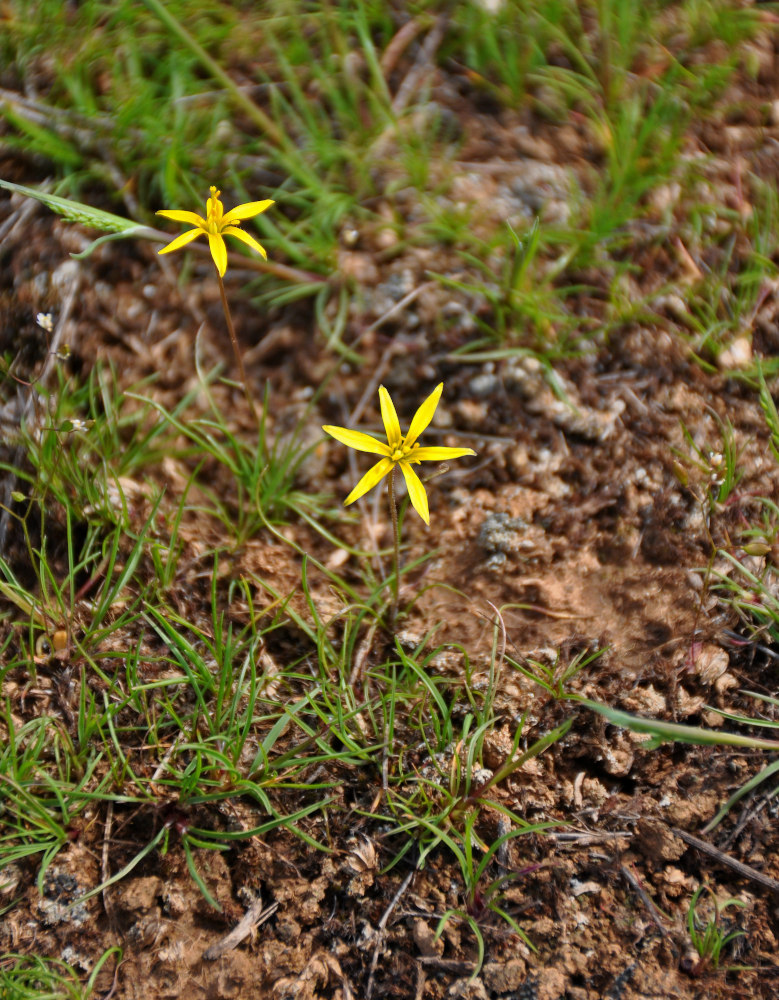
[381,929]
[248,923]
[747,871]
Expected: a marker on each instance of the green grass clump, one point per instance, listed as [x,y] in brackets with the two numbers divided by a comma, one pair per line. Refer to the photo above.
[28,977]
[712,937]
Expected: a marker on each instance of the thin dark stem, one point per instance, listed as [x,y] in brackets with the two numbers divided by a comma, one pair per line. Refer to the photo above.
[236,348]
[393,504]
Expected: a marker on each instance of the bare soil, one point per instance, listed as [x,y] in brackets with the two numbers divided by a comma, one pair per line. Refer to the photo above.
[572,519]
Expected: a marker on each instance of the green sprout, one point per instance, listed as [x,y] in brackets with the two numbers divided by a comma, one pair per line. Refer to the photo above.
[710,938]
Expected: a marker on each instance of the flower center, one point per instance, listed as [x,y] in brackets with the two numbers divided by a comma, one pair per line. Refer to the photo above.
[402,452]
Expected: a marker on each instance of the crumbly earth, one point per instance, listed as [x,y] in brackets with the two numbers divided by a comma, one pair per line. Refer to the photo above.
[575,519]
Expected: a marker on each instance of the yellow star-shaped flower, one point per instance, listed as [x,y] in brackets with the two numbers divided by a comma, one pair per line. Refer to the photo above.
[399,450]
[215,225]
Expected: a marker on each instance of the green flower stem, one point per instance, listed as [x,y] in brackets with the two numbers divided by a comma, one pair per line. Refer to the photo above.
[236,349]
[393,504]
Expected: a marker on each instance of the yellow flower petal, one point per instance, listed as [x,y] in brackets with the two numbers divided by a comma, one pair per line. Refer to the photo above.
[357,440]
[179,216]
[416,491]
[373,476]
[247,211]
[439,454]
[218,252]
[390,418]
[244,237]
[181,241]
[424,415]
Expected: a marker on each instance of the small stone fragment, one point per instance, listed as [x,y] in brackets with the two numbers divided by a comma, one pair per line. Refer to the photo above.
[500,536]
[710,663]
[504,977]
[138,894]
[428,944]
[656,842]
[737,356]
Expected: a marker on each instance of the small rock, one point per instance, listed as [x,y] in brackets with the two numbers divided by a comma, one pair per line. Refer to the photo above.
[675,882]
[737,356]
[428,944]
[711,663]
[473,412]
[618,762]
[656,842]
[359,266]
[646,701]
[687,704]
[505,977]
[547,984]
[500,536]
[484,385]
[467,989]
[139,894]
[174,901]
[10,877]
[58,905]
